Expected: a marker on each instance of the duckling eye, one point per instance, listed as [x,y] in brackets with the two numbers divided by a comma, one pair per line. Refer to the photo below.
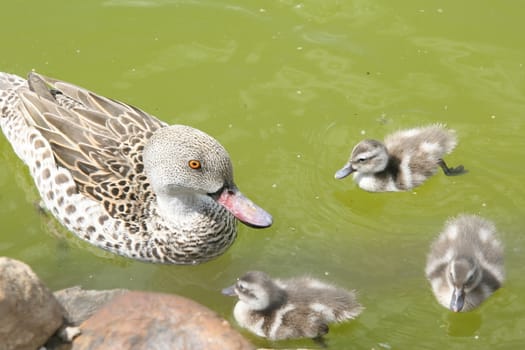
[470,280]
[194,164]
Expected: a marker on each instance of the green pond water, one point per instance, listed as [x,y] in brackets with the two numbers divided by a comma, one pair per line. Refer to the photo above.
[288,87]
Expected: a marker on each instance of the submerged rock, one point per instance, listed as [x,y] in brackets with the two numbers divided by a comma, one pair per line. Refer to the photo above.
[80,304]
[30,314]
[142,320]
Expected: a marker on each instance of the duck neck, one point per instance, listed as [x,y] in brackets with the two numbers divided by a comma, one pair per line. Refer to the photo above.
[392,166]
[276,299]
[183,207]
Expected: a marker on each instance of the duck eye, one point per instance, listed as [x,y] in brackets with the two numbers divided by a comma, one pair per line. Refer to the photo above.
[194,164]
[470,280]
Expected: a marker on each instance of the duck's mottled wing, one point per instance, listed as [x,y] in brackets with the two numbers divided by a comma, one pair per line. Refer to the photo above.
[97,139]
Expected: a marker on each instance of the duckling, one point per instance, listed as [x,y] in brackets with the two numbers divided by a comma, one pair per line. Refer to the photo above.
[465,263]
[404,161]
[300,307]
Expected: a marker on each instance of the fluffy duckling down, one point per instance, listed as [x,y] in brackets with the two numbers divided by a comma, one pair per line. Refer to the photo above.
[299,307]
[403,161]
[465,263]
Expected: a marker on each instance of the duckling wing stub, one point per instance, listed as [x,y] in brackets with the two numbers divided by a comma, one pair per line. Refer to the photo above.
[98,140]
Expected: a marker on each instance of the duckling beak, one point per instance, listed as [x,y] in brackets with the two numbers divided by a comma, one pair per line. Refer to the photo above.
[230,291]
[458,300]
[244,209]
[344,171]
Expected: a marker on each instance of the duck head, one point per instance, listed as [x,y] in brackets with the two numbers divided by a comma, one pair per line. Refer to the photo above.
[367,157]
[463,276]
[257,290]
[184,162]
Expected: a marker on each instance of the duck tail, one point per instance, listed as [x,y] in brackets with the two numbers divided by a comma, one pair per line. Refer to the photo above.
[9,83]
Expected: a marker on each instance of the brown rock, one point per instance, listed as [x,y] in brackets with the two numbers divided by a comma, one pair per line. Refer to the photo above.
[29,312]
[141,320]
[78,305]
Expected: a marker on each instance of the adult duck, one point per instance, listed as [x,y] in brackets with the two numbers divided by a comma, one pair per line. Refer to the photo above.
[122,179]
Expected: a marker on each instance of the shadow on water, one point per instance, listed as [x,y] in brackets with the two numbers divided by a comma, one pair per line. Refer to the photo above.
[465,324]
